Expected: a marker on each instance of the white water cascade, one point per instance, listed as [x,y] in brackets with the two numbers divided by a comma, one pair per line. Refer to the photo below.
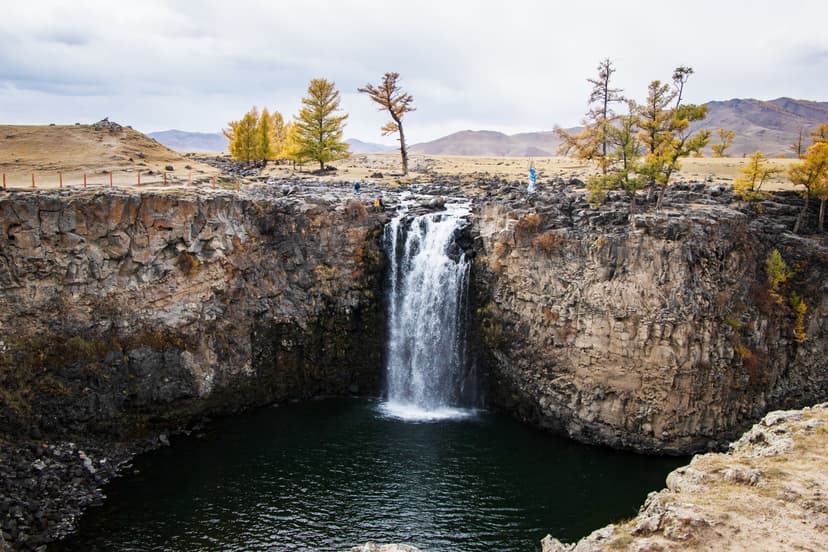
[428,373]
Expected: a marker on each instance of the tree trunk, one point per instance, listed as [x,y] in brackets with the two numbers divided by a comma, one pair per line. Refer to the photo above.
[800,220]
[403,151]
[822,214]
[660,201]
[632,202]
[321,166]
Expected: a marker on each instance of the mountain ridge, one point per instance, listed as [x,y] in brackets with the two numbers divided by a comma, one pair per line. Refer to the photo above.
[770,126]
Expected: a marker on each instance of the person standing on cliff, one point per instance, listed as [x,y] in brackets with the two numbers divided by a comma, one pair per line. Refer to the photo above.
[533,177]
[357,186]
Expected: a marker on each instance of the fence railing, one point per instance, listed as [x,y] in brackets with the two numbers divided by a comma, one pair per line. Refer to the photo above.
[74,180]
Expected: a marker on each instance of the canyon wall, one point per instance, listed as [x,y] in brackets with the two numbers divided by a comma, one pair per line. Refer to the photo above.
[127,312]
[655,331]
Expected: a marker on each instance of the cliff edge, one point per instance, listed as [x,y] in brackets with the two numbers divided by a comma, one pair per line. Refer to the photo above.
[767,493]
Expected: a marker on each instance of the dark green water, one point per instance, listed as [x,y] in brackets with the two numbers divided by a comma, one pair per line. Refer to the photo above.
[332,474]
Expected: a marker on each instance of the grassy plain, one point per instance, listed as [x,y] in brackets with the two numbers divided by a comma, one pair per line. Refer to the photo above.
[75,150]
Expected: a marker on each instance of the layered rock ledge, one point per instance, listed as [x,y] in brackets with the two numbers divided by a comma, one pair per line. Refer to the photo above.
[125,315]
[769,492]
[652,331]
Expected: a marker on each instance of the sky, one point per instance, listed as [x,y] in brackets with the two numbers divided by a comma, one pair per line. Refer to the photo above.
[508,65]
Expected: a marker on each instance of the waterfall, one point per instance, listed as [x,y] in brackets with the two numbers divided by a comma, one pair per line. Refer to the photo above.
[428,373]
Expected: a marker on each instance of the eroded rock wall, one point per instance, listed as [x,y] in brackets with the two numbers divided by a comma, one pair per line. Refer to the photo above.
[121,312]
[656,331]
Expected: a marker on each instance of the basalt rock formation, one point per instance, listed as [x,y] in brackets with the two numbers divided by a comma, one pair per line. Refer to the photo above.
[120,310]
[654,331]
[123,315]
[767,493]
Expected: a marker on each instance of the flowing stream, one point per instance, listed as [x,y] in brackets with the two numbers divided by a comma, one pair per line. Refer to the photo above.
[428,373]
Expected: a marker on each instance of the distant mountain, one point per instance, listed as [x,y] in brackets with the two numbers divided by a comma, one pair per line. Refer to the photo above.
[183,141]
[769,126]
[492,144]
[358,146]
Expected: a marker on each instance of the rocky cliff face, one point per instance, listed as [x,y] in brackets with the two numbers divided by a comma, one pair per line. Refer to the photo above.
[657,332]
[767,493]
[124,312]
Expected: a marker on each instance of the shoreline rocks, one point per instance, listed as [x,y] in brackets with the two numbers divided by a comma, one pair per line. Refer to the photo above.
[767,493]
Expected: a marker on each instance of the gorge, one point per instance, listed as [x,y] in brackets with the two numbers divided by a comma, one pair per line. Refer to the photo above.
[128,315]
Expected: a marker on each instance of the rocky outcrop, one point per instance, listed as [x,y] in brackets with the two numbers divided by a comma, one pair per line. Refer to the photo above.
[768,493]
[127,314]
[119,310]
[656,331]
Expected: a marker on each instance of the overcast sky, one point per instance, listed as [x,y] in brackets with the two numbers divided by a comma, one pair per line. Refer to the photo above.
[508,65]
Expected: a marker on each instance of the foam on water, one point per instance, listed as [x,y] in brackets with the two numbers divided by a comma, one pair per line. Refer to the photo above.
[408,412]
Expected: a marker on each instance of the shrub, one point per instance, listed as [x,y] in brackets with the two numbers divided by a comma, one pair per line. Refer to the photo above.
[548,242]
[356,210]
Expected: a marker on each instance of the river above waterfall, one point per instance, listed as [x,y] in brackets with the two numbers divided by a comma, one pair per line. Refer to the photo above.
[327,475]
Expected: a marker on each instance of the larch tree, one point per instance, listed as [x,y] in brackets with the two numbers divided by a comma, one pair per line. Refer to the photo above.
[748,185]
[593,142]
[798,145]
[623,160]
[810,173]
[319,128]
[293,149]
[264,148]
[278,136]
[655,135]
[666,133]
[390,97]
[726,138]
[821,192]
[243,144]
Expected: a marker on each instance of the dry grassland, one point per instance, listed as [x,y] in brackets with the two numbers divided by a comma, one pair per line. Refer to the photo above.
[75,150]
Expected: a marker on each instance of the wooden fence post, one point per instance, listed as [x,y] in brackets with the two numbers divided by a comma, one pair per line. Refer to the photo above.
[110,179]
[4,181]
[165,178]
[60,180]
[84,181]
[238,185]
[33,184]
[139,178]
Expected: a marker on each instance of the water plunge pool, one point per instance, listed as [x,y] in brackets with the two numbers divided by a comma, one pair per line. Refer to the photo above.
[328,475]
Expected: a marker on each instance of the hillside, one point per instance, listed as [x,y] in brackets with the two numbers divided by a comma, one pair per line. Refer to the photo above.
[769,126]
[95,150]
[490,143]
[358,146]
[184,142]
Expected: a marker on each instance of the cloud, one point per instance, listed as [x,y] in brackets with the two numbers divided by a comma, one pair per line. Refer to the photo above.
[481,64]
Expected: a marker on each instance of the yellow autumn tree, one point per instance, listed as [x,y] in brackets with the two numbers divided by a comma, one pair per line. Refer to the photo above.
[810,173]
[243,144]
[748,186]
[726,137]
[278,136]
